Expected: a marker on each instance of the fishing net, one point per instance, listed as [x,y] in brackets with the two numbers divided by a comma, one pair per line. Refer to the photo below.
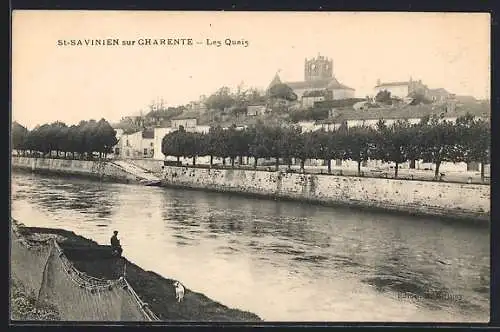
[45,270]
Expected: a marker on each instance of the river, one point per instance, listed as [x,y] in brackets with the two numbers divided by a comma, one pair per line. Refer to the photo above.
[284,261]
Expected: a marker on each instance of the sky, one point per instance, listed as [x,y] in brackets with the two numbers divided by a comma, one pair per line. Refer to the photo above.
[72,83]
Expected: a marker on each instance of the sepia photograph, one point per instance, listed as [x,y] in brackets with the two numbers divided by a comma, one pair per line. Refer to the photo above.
[253,167]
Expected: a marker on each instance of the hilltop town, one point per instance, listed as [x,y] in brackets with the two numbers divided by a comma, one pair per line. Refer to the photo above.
[319,101]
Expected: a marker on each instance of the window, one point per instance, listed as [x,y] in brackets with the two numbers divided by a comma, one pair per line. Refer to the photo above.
[128,144]
[145,152]
[473,167]
[117,151]
[128,153]
[151,144]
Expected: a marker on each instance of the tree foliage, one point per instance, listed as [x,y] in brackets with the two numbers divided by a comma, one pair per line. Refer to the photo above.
[383,96]
[282,91]
[360,145]
[84,139]
[432,140]
[19,136]
[438,140]
[395,143]
[474,141]
[221,99]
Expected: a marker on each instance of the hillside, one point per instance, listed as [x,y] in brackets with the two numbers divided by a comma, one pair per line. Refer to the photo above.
[320,113]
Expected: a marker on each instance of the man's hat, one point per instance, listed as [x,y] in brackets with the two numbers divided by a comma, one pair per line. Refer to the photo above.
[116,232]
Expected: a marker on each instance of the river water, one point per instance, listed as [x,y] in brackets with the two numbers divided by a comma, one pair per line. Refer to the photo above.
[284,261]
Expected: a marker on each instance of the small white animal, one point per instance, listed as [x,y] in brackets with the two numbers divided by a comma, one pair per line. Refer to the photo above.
[179,291]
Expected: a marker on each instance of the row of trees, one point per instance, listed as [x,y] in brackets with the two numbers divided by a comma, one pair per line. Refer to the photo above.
[432,140]
[83,139]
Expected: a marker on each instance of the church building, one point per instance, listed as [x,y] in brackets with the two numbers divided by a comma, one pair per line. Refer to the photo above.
[318,76]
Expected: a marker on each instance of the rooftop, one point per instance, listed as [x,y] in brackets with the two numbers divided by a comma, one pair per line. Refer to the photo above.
[187,115]
[148,133]
[392,84]
[330,83]
[408,112]
[439,90]
[315,93]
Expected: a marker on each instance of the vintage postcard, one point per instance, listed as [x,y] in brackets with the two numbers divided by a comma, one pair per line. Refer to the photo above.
[250,166]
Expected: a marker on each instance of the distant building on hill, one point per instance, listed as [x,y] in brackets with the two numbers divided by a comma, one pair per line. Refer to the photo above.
[197,107]
[370,116]
[256,110]
[309,98]
[188,120]
[440,95]
[402,89]
[318,76]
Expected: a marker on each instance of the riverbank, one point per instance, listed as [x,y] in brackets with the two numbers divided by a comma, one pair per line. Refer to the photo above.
[451,200]
[97,169]
[441,199]
[93,259]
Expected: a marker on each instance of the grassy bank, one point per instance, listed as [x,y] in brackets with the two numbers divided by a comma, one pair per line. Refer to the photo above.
[24,305]
[157,291]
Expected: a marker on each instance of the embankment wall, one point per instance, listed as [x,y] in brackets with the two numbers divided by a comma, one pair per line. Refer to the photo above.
[94,169]
[446,199]
[456,200]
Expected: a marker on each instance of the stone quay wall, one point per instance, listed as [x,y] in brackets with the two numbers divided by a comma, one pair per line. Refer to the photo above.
[102,170]
[434,198]
[455,200]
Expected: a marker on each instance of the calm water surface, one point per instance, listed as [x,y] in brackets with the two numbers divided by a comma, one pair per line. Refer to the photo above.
[280,260]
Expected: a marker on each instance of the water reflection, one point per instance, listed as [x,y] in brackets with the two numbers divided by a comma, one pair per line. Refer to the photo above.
[282,260]
[55,194]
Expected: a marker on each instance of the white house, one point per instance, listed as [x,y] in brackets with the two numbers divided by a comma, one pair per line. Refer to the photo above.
[402,89]
[137,145]
[256,110]
[200,129]
[159,133]
[307,125]
[188,120]
[187,123]
[310,97]
[119,133]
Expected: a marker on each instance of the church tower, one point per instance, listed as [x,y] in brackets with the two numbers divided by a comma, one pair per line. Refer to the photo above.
[319,68]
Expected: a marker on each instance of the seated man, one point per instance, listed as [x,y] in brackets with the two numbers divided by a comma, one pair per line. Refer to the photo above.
[116,248]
